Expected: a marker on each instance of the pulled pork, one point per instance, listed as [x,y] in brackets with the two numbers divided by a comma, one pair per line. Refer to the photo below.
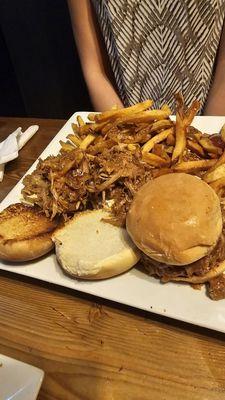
[199,268]
[75,181]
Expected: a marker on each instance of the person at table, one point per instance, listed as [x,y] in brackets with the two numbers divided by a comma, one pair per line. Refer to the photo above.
[131,50]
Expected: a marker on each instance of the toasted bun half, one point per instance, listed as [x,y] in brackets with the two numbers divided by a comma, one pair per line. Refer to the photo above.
[89,248]
[25,233]
[175,219]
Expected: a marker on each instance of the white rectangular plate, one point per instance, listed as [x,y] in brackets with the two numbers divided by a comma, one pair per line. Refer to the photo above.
[19,381]
[134,288]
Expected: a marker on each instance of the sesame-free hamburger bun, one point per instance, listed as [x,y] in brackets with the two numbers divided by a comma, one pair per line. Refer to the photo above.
[175,219]
[88,247]
[25,233]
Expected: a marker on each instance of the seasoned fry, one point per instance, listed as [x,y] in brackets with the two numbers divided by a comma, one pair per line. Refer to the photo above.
[87,141]
[195,147]
[155,160]
[194,166]
[218,162]
[75,139]
[66,146]
[180,130]
[191,112]
[161,124]
[209,146]
[222,133]
[218,185]
[183,120]
[170,140]
[80,121]
[166,108]
[113,114]
[218,173]
[144,116]
[156,139]
[75,128]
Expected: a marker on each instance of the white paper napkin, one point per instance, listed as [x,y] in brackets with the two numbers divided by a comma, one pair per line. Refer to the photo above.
[9,148]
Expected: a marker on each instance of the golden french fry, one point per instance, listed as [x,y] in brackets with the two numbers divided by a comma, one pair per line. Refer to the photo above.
[156,139]
[183,120]
[115,107]
[132,147]
[209,146]
[80,121]
[154,160]
[92,116]
[194,166]
[143,116]
[218,185]
[75,139]
[170,140]
[195,148]
[222,133]
[66,146]
[75,128]
[87,141]
[191,112]
[219,161]
[218,173]
[180,131]
[113,114]
[166,108]
[91,127]
[169,149]
[161,124]
[159,150]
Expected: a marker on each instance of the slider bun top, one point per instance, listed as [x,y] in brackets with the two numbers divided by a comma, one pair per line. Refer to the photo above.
[175,219]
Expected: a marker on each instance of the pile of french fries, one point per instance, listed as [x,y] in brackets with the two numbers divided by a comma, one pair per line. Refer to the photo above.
[165,145]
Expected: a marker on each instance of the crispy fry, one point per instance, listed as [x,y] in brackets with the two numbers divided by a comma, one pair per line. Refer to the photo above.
[170,140]
[91,128]
[222,133]
[92,116]
[159,150]
[166,108]
[218,173]
[75,128]
[132,147]
[161,124]
[218,185]
[183,120]
[180,130]
[209,146]
[144,116]
[195,147]
[156,139]
[218,162]
[194,166]
[66,146]
[155,160]
[87,141]
[75,139]
[80,121]
[113,114]
[191,112]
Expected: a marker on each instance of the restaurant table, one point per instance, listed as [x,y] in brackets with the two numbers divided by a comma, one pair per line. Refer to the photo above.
[94,349]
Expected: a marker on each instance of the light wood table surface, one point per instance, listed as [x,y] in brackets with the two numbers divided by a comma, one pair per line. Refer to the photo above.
[92,349]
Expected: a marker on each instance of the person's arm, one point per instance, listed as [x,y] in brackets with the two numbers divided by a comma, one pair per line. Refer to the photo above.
[94,61]
[215,104]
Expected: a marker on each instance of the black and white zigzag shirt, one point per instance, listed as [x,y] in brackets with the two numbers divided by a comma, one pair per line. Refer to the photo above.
[159,47]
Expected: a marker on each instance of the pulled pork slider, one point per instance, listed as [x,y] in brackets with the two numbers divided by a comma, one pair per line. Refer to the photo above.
[176,221]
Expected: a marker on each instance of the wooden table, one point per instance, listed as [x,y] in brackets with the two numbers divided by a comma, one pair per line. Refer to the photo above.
[92,349]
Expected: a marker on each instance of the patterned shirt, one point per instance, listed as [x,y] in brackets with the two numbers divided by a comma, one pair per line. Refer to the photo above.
[159,47]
